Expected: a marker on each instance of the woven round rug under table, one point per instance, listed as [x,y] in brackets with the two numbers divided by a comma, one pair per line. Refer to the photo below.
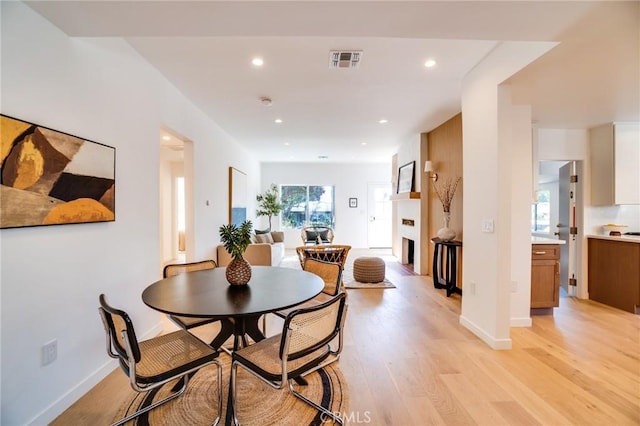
[258,403]
[368,269]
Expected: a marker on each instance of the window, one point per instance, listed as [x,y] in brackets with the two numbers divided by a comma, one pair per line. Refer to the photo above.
[304,205]
[540,213]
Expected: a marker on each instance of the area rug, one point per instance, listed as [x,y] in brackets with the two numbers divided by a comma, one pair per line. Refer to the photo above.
[347,274]
[258,403]
[350,282]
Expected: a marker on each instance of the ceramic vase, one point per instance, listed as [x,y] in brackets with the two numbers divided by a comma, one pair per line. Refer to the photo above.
[445,233]
[238,272]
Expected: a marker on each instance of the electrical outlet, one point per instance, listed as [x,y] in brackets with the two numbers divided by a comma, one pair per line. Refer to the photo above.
[49,352]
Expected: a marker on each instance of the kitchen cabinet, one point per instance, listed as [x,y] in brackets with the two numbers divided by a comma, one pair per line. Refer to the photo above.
[615,164]
[545,278]
[614,272]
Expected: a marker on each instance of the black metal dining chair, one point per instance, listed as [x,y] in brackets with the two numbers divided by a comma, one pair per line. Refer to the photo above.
[303,347]
[331,274]
[174,269]
[152,363]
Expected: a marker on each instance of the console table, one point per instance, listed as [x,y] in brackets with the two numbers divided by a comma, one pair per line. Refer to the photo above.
[445,265]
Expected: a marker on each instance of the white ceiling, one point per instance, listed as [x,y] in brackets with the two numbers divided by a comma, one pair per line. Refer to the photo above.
[205,49]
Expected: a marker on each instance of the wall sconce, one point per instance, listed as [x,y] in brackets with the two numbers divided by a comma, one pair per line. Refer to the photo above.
[428,168]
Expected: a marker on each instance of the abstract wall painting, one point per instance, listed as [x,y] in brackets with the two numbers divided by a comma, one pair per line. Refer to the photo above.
[237,196]
[49,177]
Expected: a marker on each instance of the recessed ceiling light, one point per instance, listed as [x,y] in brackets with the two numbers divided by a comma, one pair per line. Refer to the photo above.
[363,143]
[166,138]
[430,63]
[383,121]
[278,120]
[287,144]
[258,62]
[323,157]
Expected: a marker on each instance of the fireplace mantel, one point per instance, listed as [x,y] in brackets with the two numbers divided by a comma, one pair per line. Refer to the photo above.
[405,196]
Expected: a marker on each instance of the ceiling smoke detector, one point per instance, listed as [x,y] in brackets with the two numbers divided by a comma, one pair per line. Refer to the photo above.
[344,58]
[266,101]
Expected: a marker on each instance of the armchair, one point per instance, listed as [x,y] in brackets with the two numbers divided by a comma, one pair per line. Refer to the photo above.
[317,235]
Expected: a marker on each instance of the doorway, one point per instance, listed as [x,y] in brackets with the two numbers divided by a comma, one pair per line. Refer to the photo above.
[174,210]
[560,184]
[379,214]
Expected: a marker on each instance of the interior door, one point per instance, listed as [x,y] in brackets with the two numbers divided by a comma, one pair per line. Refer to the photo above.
[379,214]
[566,219]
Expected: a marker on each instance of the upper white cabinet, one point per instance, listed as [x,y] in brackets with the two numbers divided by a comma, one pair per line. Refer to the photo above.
[615,164]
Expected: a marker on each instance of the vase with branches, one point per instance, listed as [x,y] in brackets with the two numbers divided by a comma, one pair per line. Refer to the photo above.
[445,190]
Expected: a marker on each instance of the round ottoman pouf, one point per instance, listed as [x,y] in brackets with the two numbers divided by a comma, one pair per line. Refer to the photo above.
[368,270]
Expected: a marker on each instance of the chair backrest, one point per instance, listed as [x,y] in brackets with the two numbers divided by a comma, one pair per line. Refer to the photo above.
[307,330]
[328,253]
[312,233]
[116,324]
[330,272]
[179,268]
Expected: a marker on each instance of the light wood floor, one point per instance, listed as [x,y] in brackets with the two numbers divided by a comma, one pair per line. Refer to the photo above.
[409,362]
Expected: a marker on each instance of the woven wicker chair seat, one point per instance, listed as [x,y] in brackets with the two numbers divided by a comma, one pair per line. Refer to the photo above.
[162,354]
[368,269]
[266,356]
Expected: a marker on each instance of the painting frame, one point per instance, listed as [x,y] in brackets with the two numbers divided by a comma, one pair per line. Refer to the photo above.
[50,177]
[406,178]
[353,203]
[238,200]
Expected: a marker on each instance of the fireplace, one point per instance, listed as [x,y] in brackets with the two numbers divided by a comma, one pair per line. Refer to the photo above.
[407,251]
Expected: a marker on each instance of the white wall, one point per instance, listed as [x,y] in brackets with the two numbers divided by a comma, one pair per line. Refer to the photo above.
[102,90]
[522,179]
[488,173]
[350,180]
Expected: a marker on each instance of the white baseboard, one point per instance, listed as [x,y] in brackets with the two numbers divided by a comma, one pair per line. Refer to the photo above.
[500,344]
[49,414]
[521,322]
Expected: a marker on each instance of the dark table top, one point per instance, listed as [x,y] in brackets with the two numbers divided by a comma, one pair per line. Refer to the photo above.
[208,294]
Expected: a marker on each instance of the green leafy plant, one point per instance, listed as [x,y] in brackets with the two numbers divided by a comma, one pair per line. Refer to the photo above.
[269,203]
[236,238]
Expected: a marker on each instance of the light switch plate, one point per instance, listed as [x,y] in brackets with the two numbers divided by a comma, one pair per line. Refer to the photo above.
[487,226]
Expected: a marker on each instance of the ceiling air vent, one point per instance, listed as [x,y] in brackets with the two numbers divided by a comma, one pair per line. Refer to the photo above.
[344,58]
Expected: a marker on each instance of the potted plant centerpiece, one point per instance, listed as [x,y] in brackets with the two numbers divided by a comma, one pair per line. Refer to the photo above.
[235,240]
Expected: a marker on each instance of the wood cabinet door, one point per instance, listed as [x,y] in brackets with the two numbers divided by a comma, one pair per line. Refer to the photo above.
[545,281]
[614,273]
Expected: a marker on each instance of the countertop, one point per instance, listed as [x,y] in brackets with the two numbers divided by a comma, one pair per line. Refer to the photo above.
[621,238]
[543,240]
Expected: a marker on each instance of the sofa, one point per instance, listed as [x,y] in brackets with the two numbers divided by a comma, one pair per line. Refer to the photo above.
[265,250]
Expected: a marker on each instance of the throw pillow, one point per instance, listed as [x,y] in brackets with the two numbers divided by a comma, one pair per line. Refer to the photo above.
[312,236]
[268,238]
[324,235]
[263,231]
[261,238]
[278,236]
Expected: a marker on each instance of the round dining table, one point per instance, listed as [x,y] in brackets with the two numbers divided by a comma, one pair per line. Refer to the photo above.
[208,294]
